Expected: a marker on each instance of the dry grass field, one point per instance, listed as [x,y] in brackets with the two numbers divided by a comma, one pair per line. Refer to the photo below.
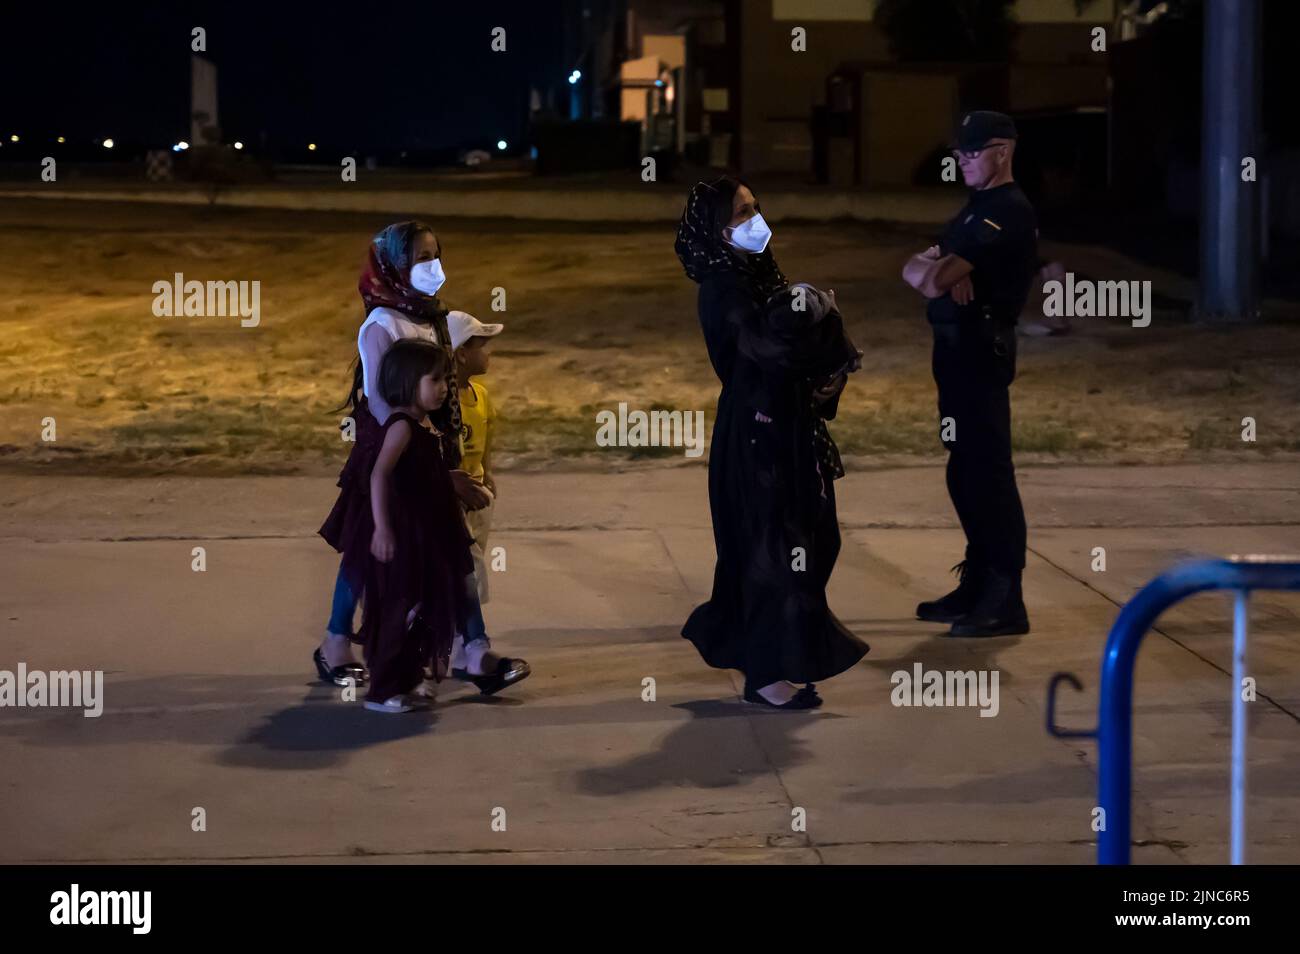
[594,315]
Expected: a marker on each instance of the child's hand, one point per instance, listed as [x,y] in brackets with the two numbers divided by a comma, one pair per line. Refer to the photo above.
[382,545]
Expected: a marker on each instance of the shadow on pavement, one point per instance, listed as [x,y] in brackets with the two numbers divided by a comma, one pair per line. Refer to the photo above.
[705,753]
[938,651]
[319,734]
[204,710]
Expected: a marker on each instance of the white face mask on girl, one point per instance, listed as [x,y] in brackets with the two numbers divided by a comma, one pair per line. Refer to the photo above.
[752,235]
[427,277]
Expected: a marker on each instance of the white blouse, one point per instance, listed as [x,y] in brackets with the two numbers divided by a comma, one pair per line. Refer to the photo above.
[381,328]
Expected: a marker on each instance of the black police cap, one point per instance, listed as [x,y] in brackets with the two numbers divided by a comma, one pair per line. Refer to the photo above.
[978,127]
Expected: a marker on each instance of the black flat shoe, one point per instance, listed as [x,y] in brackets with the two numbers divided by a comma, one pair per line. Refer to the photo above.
[508,672]
[348,673]
[805,698]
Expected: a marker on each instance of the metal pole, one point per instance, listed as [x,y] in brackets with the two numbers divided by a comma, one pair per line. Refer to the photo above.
[1241,624]
[1115,735]
[1230,82]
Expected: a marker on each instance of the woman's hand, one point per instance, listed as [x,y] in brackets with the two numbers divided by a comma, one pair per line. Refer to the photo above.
[471,494]
[830,389]
[382,544]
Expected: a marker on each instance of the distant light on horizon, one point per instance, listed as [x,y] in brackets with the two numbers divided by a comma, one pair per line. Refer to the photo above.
[239,145]
[108,143]
[61,139]
[575,76]
[501,144]
[311,147]
[13,138]
[180,146]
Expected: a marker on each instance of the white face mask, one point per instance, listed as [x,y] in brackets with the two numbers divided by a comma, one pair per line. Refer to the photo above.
[427,277]
[752,235]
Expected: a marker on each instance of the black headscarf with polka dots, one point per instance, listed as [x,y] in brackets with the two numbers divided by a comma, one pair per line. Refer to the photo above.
[703,251]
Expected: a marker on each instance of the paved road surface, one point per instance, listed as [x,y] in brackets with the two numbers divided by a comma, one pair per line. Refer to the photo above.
[211,702]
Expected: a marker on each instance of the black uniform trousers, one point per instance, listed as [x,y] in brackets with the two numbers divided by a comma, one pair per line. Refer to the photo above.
[973,367]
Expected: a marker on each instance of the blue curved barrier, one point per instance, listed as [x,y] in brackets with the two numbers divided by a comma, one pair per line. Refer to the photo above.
[1114,731]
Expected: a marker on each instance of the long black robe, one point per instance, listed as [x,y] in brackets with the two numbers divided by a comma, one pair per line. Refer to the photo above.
[770,497]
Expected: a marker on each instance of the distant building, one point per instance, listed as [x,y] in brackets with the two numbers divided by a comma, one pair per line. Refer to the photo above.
[718,81]
[849,110]
[663,64]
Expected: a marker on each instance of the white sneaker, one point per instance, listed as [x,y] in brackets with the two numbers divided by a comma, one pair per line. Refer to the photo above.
[407,703]
[426,690]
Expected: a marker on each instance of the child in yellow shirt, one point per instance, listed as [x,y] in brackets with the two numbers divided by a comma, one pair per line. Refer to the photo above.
[470,340]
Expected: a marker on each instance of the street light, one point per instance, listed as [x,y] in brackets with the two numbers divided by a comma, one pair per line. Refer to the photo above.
[108,144]
[311,147]
[61,139]
[575,76]
[180,146]
[239,145]
[501,144]
[13,138]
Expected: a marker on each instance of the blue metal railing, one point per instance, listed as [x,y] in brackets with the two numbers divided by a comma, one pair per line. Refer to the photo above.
[1114,731]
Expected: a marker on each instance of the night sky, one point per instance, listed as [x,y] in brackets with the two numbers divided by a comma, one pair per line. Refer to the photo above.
[347,76]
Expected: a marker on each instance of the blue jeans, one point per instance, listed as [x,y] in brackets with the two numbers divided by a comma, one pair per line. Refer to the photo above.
[344,609]
[475,627]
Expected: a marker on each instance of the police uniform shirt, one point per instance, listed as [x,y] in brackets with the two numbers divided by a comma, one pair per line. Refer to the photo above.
[997,232]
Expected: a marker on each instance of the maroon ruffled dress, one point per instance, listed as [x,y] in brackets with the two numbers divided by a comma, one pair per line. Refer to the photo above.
[431,559]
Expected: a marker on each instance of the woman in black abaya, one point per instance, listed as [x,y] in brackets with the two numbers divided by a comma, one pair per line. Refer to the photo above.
[782,356]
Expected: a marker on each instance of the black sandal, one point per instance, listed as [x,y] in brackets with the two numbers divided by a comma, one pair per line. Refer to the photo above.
[347,674]
[508,672]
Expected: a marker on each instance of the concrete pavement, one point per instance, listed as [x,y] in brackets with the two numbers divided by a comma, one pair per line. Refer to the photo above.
[211,701]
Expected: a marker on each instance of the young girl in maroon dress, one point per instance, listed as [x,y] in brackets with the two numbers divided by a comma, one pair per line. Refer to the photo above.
[398,524]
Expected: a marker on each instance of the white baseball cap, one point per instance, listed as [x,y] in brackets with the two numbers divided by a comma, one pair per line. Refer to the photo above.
[462,326]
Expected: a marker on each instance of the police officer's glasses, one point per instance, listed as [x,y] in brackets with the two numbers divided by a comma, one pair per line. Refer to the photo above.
[972,154]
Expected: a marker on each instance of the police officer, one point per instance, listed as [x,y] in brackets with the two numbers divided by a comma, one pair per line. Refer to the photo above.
[977,280]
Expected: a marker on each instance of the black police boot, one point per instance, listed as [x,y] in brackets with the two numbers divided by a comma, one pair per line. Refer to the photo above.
[955,605]
[999,611]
